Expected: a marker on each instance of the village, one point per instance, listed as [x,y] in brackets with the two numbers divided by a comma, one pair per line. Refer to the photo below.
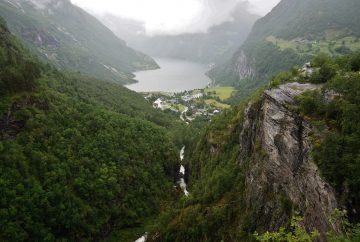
[200,103]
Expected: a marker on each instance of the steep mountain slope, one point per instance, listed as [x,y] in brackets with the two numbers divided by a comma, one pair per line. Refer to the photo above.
[79,158]
[71,39]
[289,35]
[292,148]
[219,43]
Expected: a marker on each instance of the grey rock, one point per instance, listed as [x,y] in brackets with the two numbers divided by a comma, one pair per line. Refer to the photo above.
[244,67]
[285,94]
[283,178]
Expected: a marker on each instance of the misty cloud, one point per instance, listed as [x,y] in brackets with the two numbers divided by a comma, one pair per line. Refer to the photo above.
[262,7]
[173,16]
[40,3]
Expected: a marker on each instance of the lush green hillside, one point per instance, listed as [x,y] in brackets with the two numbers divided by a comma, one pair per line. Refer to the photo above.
[18,71]
[70,38]
[309,19]
[224,164]
[291,34]
[79,158]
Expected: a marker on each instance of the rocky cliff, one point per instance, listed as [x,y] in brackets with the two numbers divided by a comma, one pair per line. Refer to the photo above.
[282,177]
[252,171]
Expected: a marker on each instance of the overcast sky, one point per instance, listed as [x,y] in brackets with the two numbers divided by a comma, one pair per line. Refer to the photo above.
[174,16]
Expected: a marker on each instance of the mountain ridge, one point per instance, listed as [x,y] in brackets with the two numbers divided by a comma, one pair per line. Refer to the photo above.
[68,37]
[290,35]
[218,43]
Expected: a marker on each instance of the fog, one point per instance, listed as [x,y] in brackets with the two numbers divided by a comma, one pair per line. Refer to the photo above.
[174,17]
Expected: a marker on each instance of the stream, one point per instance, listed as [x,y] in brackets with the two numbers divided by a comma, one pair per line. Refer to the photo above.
[181,183]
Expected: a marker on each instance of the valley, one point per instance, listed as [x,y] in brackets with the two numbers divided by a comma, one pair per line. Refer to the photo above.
[179,121]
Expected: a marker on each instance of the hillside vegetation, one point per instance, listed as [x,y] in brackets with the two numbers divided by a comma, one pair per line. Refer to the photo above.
[69,38]
[80,158]
[290,35]
[224,167]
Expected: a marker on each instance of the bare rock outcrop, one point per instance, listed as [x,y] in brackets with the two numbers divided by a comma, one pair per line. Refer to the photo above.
[244,67]
[282,177]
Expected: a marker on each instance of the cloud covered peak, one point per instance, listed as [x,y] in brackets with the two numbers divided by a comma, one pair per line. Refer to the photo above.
[174,16]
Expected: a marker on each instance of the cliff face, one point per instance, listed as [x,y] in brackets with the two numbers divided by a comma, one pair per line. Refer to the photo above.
[282,177]
[240,67]
[252,171]
[243,67]
[290,20]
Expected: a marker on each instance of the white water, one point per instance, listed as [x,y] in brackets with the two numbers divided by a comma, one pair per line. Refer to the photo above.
[182,152]
[184,187]
[182,182]
[182,170]
[142,239]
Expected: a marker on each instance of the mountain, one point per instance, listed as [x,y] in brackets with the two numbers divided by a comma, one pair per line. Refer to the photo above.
[71,39]
[80,158]
[285,160]
[290,35]
[219,42]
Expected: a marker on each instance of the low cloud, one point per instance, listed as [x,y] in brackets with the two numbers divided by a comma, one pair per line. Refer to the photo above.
[262,7]
[173,16]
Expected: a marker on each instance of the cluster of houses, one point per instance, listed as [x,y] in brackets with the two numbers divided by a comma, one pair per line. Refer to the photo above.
[189,102]
[190,97]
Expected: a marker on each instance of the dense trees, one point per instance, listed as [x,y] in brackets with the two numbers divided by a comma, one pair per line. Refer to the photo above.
[18,69]
[337,107]
[79,157]
[351,232]
[297,233]
[74,171]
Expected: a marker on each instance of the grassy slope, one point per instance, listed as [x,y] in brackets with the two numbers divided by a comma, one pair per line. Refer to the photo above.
[329,47]
[291,19]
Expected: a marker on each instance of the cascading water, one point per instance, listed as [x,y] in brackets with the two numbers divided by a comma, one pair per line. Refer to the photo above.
[182,184]
[182,171]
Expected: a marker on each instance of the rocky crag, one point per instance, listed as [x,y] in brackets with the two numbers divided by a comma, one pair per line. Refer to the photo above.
[282,177]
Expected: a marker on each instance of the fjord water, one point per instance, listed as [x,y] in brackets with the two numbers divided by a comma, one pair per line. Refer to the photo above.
[174,75]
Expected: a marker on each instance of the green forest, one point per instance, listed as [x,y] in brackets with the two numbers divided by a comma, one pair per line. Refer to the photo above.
[79,157]
[83,158]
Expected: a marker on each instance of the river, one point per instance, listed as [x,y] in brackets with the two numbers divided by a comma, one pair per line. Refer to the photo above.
[182,171]
[174,75]
[182,184]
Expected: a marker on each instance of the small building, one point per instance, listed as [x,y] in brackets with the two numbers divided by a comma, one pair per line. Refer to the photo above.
[158,103]
[216,112]
[197,96]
